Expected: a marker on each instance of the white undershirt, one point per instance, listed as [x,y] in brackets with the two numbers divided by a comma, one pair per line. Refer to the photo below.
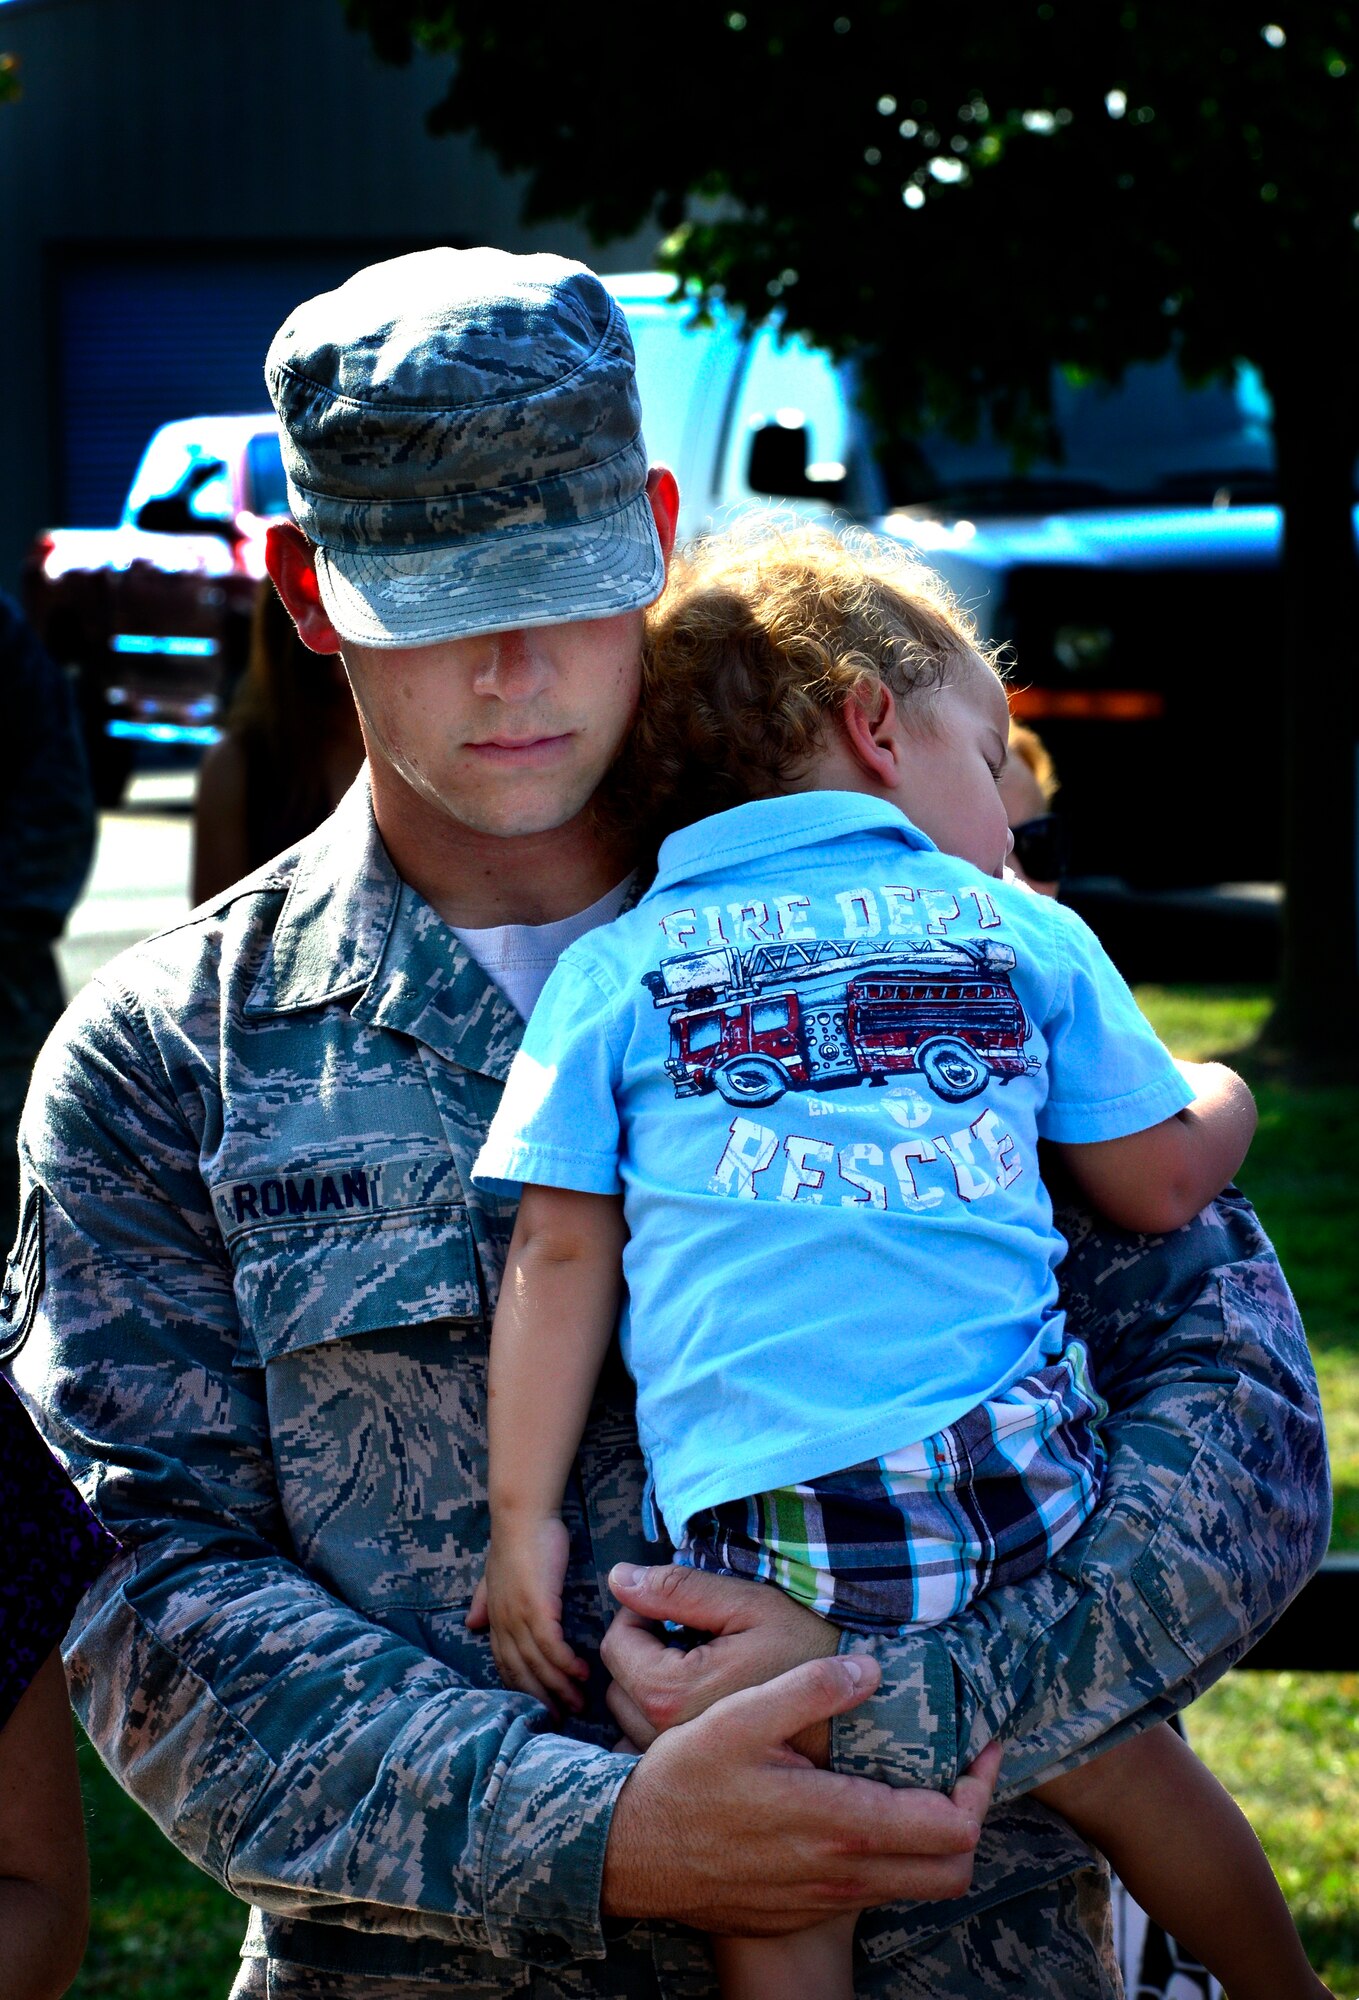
[519,957]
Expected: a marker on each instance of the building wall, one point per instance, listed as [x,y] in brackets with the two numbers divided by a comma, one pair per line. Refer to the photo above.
[156,136]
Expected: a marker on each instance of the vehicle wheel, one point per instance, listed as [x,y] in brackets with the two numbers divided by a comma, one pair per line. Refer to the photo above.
[952,1070]
[751,1080]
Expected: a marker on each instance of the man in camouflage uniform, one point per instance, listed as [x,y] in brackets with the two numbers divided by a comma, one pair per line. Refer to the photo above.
[254,1307]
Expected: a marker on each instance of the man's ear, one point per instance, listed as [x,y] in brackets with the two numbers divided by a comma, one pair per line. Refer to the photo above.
[872,729]
[662,491]
[289,560]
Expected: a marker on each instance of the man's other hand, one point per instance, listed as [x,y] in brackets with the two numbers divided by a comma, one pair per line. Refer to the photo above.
[722,1825]
[756,1633]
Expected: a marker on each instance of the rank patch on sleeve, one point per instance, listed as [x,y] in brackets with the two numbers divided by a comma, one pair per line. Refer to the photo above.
[24,1276]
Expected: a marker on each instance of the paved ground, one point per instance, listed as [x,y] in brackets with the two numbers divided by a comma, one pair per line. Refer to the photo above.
[140,879]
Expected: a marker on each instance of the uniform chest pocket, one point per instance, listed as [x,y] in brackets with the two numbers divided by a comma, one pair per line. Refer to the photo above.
[326,1252]
[366,1318]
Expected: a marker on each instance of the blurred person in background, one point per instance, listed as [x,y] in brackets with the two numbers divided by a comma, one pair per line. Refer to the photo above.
[54,1548]
[291,750]
[1028,785]
[47,828]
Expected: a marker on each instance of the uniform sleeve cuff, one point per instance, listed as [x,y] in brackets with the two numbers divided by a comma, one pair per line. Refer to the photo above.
[544,1858]
[909,1732]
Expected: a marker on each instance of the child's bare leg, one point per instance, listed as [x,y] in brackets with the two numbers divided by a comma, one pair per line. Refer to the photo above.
[807,1965]
[1185,1850]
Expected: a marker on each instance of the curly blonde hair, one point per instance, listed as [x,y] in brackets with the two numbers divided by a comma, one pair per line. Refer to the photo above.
[764,634]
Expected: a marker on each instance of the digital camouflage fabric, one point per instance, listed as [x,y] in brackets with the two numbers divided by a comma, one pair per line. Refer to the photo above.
[260,1345]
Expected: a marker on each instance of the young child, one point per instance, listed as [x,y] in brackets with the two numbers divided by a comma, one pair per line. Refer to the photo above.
[793,1098]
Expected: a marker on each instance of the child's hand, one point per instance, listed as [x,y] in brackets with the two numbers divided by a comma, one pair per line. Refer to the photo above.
[520,1599]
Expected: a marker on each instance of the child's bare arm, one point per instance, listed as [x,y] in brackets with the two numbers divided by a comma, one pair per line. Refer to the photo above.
[1157,1179]
[558,1304]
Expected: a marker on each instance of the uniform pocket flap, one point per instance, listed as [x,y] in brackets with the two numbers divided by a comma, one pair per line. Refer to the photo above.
[326,1253]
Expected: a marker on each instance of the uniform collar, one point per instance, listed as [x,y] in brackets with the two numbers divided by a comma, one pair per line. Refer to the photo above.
[772,826]
[330,934]
[430,987]
[350,926]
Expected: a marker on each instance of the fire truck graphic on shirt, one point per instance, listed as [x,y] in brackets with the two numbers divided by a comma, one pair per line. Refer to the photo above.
[817,1014]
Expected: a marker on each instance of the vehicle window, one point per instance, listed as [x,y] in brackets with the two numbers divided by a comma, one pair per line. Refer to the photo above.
[212,501]
[791,384]
[267,487]
[767,1015]
[704,1034]
[168,467]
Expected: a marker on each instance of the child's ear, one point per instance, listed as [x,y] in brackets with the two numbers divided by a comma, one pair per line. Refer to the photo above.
[872,729]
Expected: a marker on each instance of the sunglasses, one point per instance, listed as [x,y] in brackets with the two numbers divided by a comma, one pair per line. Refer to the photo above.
[1040,847]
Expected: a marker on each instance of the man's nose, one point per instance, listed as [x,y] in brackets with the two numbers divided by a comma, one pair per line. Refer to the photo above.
[511,668]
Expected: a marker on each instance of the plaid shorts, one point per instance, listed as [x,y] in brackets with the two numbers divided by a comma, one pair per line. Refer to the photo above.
[911,1538]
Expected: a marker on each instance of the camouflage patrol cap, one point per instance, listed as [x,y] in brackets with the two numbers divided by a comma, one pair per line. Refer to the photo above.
[462,439]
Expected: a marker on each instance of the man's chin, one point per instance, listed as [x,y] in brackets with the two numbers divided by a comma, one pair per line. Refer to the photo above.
[523,818]
[533,805]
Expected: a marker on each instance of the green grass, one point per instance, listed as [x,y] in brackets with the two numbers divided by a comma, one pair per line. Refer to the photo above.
[1196,1022]
[1286,1745]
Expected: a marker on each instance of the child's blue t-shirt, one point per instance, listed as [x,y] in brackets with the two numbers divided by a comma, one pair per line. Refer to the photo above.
[816,1058]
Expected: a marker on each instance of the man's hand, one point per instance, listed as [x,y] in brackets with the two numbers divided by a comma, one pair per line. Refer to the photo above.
[723,1826]
[757,1633]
